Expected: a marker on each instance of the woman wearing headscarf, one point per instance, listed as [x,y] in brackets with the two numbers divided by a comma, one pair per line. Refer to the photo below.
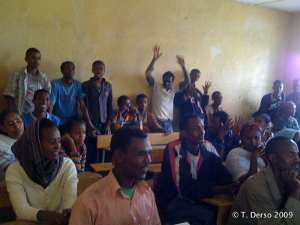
[247,160]
[42,184]
[12,128]
[285,118]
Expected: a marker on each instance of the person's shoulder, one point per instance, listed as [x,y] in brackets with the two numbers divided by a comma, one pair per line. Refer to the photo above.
[267,96]
[174,144]
[18,71]
[56,81]
[76,82]
[15,166]
[210,148]
[256,182]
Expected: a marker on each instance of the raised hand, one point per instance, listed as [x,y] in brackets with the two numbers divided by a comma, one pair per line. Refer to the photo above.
[289,177]
[237,125]
[180,60]
[224,128]
[156,52]
[206,86]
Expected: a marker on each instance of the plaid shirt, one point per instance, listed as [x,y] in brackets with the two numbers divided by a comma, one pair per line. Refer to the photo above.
[99,104]
[17,86]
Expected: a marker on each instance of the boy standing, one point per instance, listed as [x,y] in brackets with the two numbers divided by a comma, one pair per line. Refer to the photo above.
[99,99]
[41,101]
[163,94]
[66,92]
[23,83]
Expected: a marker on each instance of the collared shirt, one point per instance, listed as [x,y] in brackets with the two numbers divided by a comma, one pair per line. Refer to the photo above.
[150,123]
[260,195]
[162,101]
[17,87]
[98,102]
[105,203]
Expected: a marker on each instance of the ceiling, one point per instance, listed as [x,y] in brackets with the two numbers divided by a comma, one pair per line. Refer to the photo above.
[291,6]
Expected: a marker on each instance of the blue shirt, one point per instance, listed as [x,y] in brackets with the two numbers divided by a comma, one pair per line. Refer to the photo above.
[29,118]
[64,98]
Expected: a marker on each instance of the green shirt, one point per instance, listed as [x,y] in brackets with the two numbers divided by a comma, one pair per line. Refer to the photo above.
[128,191]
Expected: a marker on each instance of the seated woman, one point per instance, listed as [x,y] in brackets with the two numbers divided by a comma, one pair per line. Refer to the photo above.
[126,115]
[150,123]
[42,185]
[285,117]
[247,160]
[264,121]
[12,128]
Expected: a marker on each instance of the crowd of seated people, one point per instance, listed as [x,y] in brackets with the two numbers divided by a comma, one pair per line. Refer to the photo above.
[215,154]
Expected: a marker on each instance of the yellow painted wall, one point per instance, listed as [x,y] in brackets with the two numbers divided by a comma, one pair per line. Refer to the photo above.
[240,48]
[293,54]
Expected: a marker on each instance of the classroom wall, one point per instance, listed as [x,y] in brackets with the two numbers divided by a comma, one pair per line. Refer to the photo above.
[293,54]
[240,48]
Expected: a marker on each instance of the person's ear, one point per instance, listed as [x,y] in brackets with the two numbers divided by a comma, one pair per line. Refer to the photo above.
[119,156]
[272,158]
[184,133]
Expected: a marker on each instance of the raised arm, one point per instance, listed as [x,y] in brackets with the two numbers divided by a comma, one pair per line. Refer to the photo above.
[187,78]
[149,70]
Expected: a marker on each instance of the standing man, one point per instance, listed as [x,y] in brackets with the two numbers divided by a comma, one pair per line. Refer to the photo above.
[122,197]
[274,191]
[191,100]
[163,94]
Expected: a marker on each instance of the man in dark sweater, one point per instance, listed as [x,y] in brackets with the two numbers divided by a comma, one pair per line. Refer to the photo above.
[191,100]
[191,171]
[271,103]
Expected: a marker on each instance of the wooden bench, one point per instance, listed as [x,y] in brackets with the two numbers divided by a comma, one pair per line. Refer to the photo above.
[158,142]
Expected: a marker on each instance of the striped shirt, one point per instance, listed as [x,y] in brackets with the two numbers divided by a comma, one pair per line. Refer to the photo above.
[79,157]
[105,203]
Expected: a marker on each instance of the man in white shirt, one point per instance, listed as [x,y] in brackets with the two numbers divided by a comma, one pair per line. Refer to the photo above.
[163,94]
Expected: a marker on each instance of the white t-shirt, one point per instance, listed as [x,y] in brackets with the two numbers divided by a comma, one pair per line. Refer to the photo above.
[238,162]
[28,197]
[162,101]
[194,163]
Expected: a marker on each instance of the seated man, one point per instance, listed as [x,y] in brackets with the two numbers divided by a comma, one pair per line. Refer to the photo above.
[271,103]
[191,170]
[191,100]
[215,106]
[163,94]
[66,93]
[122,197]
[272,195]
[126,115]
[41,101]
[223,133]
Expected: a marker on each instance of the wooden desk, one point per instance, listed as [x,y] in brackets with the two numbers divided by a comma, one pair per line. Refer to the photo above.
[155,169]
[224,204]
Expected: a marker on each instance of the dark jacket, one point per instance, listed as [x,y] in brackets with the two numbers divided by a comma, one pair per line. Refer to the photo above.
[268,107]
[176,177]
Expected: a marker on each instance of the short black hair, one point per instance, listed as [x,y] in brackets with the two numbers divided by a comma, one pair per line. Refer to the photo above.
[278,82]
[98,62]
[195,71]
[69,124]
[65,63]
[214,94]
[44,124]
[121,139]
[168,74]
[184,122]
[121,98]
[222,115]
[40,91]
[141,96]
[265,117]
[31,50]
[273,146]
[4,113]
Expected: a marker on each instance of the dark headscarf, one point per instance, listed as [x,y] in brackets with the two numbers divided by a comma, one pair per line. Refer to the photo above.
[28,150]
